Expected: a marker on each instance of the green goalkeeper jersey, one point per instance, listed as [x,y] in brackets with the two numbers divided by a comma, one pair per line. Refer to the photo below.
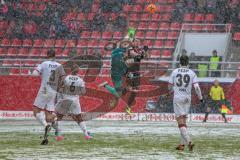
[118,66]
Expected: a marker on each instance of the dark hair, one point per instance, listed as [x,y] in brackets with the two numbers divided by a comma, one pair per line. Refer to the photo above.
[51,53]
[184,60]
[74,69]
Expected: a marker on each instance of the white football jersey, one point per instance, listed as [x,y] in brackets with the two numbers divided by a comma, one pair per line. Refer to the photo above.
[49,74]
[73,86]
[182,80]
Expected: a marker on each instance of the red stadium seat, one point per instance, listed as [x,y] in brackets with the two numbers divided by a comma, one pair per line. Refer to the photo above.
[137,8]
[199,18]
[3,51]
[143,25]
[166,17]
[7,63]
[172,35]
[60,43]
[175,26]
[169,44]
[34,52]
[236,36]
[93,44]
[70,43]
[49,43]
[140,35]
[153,26]
[151,35]
[155,53]
[156,17]
[210,18]
[85,34]
[82,44]
[188,17]
[12,51]
[148,43]
[158,44]
[107,35]
[23,52]
[102,43]
[58,52]
[134,17]
[43,52]
[27,43]
[14,71]
[96,35]
[38,43]
[168,8]
[161,35]
[25,71]
[145,17]
[16,63]
[164,26]
[16,42]
[166,54]
[117,35]
[5,42]
[66,52]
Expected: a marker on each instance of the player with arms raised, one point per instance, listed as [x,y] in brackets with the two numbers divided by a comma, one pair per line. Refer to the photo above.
[181,81]
[44,104]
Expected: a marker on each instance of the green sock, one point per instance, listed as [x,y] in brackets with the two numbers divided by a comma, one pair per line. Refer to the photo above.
[112,90]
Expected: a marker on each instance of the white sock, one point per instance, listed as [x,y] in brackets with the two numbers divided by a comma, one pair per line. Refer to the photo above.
[182,142]
[56,126]
[185,136]
[83,127]
[41,118]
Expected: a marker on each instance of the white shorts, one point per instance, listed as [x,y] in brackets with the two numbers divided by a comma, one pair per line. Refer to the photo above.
[68,107]
[45,100]
[181,106]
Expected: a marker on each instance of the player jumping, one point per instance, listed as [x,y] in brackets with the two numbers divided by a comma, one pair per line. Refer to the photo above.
[73,86]
[181,81]
[126,64]
[44,104]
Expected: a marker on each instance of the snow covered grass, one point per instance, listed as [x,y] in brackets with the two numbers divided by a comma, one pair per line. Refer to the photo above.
[120,140]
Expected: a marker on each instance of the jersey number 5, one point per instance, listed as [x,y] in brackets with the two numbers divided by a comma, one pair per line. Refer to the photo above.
[182,80]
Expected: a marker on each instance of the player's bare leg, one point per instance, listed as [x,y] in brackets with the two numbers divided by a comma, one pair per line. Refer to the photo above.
[185,139]
[82,125]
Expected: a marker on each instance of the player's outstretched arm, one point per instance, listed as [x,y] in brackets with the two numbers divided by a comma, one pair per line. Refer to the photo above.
[198,91]
[35,73]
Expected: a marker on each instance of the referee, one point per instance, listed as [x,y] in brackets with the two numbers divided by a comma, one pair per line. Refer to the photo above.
[217,99]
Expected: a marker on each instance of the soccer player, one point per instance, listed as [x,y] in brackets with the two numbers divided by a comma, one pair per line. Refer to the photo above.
[125,64]
[133,58]
[217,99]
[118,70]
[73,86]
[44,104]
[181,81]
